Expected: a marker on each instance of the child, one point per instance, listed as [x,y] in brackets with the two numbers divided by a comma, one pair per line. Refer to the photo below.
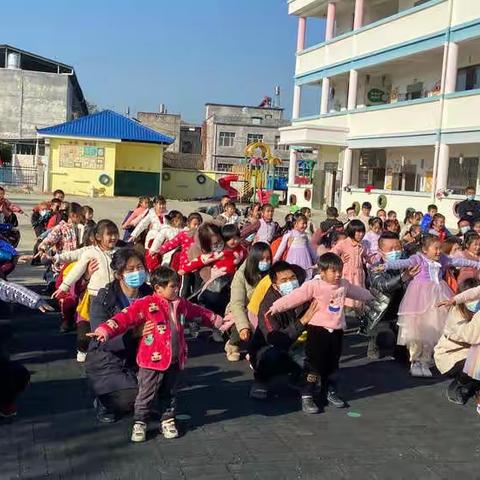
[382,214]
[471,251]
[153,220]
[265,230]
[354,256]
[88,216]
[40,216]
[427,218]
[392,225]
[365,216]
[420,323]
[476,226]
[293,207]
[437,227]
[410,219]
[56,214]
[161,354]
[7,208]
[228,216]
[370,240]
[392,215]
[332,220]
[464,226]
[351,213]
[300,251]
[325,330]
[310,230]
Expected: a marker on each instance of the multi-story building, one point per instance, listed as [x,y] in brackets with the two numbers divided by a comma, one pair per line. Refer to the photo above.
[186,151]
[398,88]
[35,92]
[228,129]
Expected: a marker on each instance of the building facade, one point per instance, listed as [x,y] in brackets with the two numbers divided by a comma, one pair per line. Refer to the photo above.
[398,86]
[34,92]
[228,129]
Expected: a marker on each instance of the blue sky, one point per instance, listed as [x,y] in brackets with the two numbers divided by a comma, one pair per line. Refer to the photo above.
[183,53]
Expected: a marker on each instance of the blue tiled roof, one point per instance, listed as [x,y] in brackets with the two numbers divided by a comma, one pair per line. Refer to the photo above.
[107,124]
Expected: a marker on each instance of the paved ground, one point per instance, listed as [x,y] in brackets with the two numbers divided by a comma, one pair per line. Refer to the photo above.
[396,427]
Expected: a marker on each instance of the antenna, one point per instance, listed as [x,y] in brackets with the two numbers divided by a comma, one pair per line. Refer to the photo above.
[127,112]
[277,96]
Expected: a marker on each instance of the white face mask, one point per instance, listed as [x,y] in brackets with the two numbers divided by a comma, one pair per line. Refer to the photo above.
[218,247]
[464,229]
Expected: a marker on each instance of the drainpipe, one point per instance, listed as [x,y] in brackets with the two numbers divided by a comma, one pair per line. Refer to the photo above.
[442,101]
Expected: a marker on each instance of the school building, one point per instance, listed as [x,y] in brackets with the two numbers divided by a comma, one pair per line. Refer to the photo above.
[396,93]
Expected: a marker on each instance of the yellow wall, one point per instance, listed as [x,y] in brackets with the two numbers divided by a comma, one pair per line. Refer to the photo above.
[79,181]
[139,157]
[183,184]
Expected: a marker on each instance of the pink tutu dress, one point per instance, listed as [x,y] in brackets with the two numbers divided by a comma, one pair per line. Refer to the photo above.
[419,319]
[300,251]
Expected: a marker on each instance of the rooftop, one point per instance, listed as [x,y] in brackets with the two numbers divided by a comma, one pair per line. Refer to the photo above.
[242,106]
[106,125]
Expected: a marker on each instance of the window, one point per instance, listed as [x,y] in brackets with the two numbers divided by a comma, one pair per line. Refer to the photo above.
[224,167]
[462,171]
[25,149]
[415,90]
[372,168]
[468,78]
[257,120]
[254,137]
[226,139]
[277,144]
[187,146]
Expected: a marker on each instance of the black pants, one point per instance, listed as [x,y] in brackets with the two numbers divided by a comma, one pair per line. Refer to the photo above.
[82,340]
[120,402]
[323,350]
[272,362]
[14,377]
[461,379]
[216,301]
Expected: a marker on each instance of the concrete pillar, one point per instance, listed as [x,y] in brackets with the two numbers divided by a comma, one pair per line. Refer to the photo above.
[442,170]
[302,28]
[452,67]
[347,168]
[296,102]
[292,166]
[358,18]
[325,96]
[352,90]
[330,26]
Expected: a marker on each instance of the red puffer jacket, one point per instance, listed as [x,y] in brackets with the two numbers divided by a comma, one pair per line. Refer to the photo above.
[155,349]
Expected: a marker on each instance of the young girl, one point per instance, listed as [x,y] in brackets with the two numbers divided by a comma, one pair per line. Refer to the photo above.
[300,251]
[264,230]
[310,230]
[176,223]
[133,217]
[476,226]
[392,225]
[162,354]
[370,240]
[106,236]
[153,220]
[462,330]
[437,227]
[354,256]
[420,323]
[412,218]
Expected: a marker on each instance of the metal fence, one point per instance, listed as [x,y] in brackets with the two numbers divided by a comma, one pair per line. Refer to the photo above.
[19,176]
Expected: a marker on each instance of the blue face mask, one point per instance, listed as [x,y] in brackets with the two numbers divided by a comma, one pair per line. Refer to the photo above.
[393,255]
[264,266]
[135,279]
[473,307]
[288,287]
[470,197]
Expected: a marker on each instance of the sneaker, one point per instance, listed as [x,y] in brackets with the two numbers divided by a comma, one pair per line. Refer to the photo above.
[103,415]
[139,432]
[334,400]
[258,391]
[454,394]
[81,356]
[169,429]
[8,410]
[232,351]
[309,406]
[426,370]
[416,369]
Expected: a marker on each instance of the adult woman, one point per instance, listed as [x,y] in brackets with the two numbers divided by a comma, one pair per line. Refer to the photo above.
[245,280]
[111,366]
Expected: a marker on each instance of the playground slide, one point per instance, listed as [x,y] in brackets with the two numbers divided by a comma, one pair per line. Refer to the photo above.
[224,182]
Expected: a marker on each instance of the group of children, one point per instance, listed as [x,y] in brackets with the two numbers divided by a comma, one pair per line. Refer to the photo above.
[187,258]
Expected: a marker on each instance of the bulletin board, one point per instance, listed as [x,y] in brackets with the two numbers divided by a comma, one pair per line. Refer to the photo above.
[81,156]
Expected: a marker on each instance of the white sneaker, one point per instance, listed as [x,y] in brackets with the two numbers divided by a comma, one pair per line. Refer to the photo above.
[416,370]
[81,356]
[139,432]
[169,429]
[426,370]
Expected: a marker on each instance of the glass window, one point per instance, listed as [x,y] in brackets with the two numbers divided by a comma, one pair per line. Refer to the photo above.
[254,137]
[462,171]
[224,167]
[372,168]
[468,78]
[226,139]
[257,120]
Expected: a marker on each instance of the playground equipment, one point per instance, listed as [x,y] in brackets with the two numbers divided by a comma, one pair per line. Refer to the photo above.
[259,172]
[224,182]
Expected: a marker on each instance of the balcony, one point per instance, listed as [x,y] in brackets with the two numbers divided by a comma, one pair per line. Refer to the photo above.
[410,30]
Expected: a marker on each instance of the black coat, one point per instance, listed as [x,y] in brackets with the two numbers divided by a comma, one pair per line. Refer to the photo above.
[469,210]
[111,366]
[280,330]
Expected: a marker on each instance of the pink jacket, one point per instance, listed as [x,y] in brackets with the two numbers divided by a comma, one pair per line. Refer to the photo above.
[155,350]
[331,299]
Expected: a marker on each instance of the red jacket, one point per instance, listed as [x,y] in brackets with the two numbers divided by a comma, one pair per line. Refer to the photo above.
[230,259]
[154,351]
[184,240]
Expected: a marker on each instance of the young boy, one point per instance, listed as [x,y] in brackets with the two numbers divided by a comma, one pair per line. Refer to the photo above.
[332,220]
[161,354]
[228,216]
[427,218]
[325,330]
[7,207]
